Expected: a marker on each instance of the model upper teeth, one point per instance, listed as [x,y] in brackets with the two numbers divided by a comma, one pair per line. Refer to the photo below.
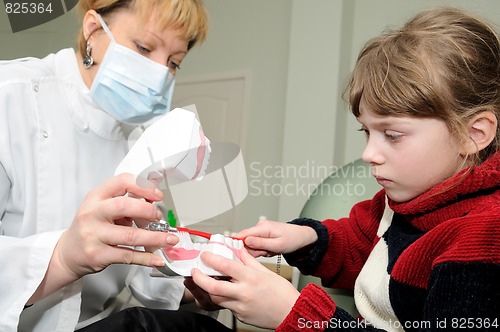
[186,242]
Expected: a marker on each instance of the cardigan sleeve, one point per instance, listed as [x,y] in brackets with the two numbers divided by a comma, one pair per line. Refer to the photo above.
[316,311]
[343,245]
[313,305]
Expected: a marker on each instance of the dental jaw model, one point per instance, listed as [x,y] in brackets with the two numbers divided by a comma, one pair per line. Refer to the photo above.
[174,148]
[185,255]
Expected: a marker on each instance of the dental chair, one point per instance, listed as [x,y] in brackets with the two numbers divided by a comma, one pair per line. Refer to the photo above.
[333,199]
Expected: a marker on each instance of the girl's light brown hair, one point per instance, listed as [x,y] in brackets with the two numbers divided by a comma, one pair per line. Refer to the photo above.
[190,16]
[444,63]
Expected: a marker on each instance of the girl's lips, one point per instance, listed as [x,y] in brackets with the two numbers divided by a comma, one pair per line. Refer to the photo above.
[382,181]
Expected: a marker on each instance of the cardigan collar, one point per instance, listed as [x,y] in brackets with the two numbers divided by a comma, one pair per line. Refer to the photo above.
[453,198]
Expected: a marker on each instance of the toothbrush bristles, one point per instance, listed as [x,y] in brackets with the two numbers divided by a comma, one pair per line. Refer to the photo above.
[195,232]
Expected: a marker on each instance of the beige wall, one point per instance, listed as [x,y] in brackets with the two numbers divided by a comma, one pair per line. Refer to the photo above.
[298,54]
[338,30]
[39,41]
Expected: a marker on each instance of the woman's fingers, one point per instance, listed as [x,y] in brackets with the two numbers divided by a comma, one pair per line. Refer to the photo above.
[202,298]
[128,183]
[124,255]
[123,206]
[129,236]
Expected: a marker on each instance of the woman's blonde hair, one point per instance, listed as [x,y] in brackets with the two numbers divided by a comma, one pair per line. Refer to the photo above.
[443,63]
[190,16]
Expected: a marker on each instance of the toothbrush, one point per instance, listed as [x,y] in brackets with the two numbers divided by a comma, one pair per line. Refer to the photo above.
[163,226]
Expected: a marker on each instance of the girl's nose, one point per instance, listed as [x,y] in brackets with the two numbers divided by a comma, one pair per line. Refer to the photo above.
[371,154]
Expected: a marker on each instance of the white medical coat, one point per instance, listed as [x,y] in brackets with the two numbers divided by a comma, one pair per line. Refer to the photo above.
[55,146]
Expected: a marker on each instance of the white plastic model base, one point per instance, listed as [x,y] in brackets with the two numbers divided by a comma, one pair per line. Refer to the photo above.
[185,255]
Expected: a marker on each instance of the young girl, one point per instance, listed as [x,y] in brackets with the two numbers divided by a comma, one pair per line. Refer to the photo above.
[424,253]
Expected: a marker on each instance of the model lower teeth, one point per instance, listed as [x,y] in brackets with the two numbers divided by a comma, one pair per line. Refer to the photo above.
[185,255]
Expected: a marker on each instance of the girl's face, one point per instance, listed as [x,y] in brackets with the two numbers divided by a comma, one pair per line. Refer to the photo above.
[166,47]
[408,155]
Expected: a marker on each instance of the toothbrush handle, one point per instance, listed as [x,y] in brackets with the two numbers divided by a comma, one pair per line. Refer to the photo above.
[194,232]
[201,233]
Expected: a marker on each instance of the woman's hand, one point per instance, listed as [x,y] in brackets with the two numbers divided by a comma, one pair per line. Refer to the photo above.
[254,294]
[101,233]
[269,238]
[199,296]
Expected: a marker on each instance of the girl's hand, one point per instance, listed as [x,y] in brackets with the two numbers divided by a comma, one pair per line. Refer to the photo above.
[101,233]
[269,238]
[254,294]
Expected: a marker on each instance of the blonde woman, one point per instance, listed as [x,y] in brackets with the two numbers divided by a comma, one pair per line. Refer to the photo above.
[64,219]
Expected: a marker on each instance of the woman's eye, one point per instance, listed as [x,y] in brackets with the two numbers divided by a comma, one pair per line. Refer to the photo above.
[173,65]
[142,49]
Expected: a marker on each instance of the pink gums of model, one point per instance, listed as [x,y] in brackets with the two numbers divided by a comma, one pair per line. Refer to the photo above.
[185,255]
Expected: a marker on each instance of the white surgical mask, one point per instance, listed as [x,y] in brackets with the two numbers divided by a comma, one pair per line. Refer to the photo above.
[130,87]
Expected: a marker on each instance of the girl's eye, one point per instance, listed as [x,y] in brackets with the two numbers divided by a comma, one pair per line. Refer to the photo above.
[366,131]
[393,137]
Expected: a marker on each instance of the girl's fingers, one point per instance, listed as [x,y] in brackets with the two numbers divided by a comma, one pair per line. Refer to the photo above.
[257,253]
[268,245]
[223,265]
[250,261]
[262,229]
[214,287]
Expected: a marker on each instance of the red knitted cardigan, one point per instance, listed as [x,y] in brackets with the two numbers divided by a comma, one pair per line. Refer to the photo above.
[444,253]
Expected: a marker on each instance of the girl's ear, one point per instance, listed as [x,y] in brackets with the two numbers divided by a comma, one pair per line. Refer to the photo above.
[90,23]
[482,130]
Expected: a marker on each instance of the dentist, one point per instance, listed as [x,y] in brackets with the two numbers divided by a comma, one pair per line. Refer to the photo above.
[65,220]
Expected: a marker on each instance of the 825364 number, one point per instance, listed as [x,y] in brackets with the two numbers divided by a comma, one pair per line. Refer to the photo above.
[28,8]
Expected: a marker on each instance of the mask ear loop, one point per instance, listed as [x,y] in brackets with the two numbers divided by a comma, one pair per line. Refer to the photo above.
[105,27]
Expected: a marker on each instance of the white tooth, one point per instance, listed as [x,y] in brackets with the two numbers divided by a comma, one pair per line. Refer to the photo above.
[238,244]
[184,238]
[229,242]
[188,245]
[217,238]
[198,246]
